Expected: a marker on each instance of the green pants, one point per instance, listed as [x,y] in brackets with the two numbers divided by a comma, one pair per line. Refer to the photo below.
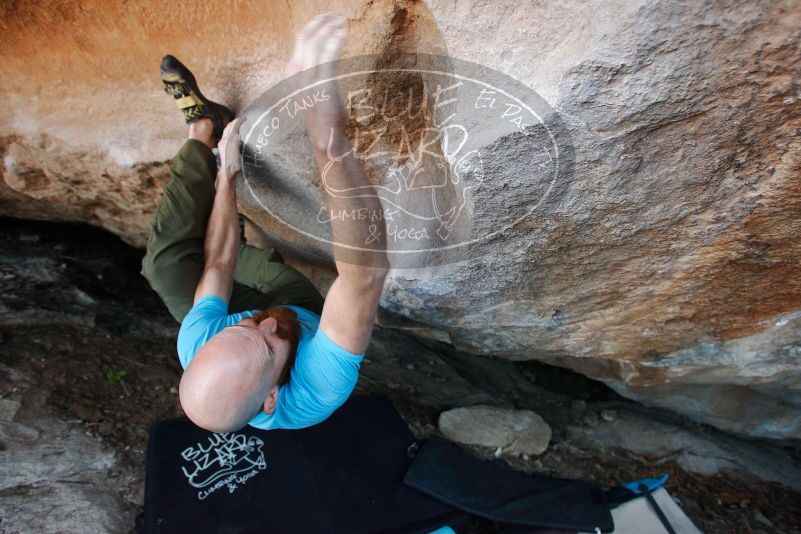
[173,262]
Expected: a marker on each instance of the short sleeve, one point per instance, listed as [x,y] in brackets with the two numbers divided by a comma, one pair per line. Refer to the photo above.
[208,316]
[335,371]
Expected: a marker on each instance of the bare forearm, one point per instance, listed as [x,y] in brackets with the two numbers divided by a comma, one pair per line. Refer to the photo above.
[359,242]
[222,233]
[367,232]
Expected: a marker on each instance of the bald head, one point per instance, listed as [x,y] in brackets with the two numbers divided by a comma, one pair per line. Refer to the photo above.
[228,380]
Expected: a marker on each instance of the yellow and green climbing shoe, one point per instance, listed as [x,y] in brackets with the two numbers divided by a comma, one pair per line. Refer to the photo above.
[179,82]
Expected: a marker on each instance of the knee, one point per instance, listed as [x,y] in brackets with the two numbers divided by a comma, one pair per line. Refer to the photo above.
[179,305]
[157,273]
[149,270]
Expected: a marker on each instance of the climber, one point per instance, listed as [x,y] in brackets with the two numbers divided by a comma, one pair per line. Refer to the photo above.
[257,342]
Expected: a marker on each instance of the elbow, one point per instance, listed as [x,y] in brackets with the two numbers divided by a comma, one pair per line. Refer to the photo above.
[221,253]
[224,263]
[366,277]
[376,277]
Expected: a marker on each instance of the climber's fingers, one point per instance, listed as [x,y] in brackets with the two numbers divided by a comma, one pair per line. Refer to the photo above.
[302,37]
[317,43]
[229,148]
[334,42]
[320,41]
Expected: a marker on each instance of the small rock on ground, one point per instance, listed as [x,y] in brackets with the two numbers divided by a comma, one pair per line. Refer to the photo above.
[513,431]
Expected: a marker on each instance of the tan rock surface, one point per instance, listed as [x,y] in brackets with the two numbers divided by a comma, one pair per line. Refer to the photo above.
[668,264]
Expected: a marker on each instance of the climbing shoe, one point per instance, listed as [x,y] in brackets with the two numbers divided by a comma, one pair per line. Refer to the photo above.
[179,82]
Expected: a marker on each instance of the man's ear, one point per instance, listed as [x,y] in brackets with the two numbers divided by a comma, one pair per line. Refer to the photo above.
[271,400]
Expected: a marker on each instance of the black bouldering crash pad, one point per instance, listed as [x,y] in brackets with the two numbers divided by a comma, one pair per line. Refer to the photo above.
[343,475]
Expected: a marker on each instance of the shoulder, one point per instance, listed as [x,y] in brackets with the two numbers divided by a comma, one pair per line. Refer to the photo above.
[210,304]
[316,338]
[321,380]
[324,373]
[208,316]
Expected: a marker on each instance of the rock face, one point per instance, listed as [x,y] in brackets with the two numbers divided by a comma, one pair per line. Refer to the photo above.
[55,478]
[666,263]
[513,431]
[695,450]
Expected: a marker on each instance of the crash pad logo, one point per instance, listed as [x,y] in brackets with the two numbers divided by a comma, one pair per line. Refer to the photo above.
[224,460]
[456,154]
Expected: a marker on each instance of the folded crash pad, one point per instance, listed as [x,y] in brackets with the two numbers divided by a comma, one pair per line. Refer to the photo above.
[494,491]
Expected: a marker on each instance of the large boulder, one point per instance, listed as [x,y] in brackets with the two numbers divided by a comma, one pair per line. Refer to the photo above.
[665,263]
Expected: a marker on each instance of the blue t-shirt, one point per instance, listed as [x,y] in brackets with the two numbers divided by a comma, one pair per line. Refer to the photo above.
[321,380]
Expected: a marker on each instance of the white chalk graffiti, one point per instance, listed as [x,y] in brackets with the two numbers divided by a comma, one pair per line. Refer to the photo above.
[431,164]
[225,459]
[431,133]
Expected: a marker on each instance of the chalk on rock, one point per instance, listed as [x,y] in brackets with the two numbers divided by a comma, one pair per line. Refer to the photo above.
[514,431]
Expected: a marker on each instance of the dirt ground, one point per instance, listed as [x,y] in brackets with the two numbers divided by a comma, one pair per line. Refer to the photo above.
[107,359]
